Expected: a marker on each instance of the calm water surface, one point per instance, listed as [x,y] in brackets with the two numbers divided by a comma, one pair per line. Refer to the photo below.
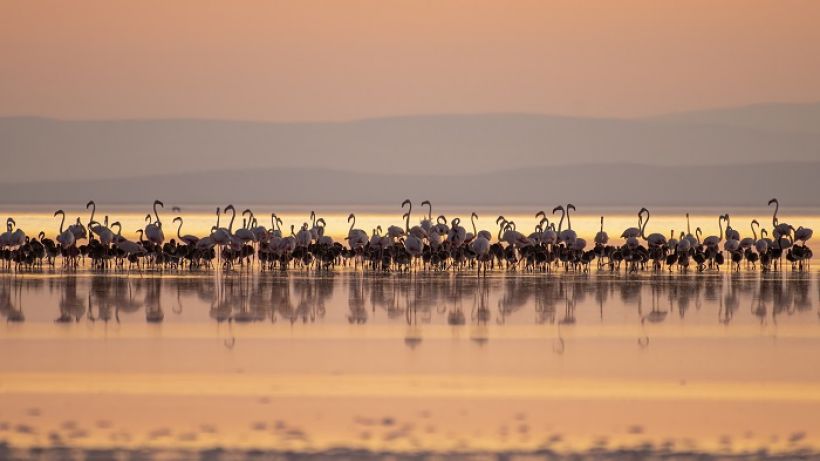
[357,366]
[217,365]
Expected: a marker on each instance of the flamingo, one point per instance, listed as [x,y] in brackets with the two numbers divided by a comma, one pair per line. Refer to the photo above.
[508,234]
[304,237]
[356,238]
[482,233]
[413,244]
[105,234]
[78,230]
[17,237]
[65,238]
[153,231]
[396,232]
[567,235]
[481,247]
[731,234]
[748,242]
[601,238]
[779,229]
[693,241]
[5,238]
[222,236]
[713,241]
[634,232]
[276,223]
[457,234]
[427,224]
[187,239]
[654,239]
[244,233]
[803,234]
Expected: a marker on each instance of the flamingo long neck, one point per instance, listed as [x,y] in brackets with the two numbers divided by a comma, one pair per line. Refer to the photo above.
[643,228]
[561,222]
[233,216]
[688,227]
[407,220]
[218,214]
[93,210]
[353,224]
[62,223]
[569,222]
[429,211]
[776,209]
[602,224]
[472,219]
[754,232]
[179,229]
[155,212]
[720,225]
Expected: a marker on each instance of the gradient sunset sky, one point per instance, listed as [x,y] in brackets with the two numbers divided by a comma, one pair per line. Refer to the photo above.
[339,60]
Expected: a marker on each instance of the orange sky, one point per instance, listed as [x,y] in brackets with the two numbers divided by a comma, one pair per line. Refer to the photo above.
[332,60]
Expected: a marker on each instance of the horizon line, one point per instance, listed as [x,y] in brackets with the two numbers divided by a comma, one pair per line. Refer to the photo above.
[409,115]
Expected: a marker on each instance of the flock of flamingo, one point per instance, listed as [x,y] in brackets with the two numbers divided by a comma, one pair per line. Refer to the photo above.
[431,245]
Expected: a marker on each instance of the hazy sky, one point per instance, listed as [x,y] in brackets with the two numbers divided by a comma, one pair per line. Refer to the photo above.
[333,60]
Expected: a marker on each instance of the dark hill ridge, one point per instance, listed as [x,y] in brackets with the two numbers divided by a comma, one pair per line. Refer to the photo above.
[47,149]
[607,184]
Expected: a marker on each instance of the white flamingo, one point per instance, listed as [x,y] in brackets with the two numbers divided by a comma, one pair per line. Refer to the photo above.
[153,231]
[66,237]
[601,238]
[634,231]
[356,238]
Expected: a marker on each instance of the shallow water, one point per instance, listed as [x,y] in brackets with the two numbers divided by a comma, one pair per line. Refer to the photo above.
[360,366]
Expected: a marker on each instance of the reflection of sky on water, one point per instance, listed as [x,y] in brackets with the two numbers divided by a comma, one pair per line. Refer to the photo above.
[453,299]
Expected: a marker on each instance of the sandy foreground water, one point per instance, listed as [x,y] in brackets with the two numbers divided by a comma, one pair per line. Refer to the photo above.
[353,366]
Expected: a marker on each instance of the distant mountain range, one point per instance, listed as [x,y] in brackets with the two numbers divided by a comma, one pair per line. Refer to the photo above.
[737,155]
[600,184]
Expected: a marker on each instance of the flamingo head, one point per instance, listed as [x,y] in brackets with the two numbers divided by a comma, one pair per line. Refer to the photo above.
[558,208]
[159,202]
[90,204]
